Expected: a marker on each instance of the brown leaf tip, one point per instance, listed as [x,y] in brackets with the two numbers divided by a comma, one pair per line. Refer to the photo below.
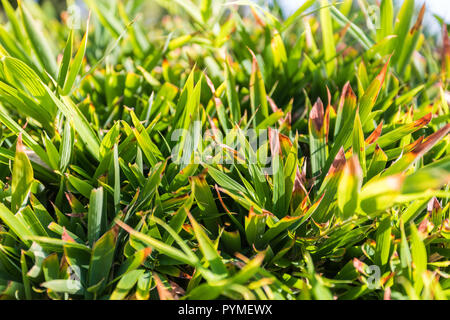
[375,135]
[419,20]
[433,205]
[353,168]
[348,91]
[338,162]
[423,121]
[19,146]
[317,115]
[66,237]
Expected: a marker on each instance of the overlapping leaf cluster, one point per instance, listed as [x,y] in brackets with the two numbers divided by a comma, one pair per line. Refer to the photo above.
[95,204]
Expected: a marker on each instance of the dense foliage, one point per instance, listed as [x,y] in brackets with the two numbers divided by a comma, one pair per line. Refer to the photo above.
[198,149]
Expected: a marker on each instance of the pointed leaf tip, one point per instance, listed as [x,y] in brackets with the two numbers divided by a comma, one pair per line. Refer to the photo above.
[317,115]
[375,134]
[338,162]
[19,145]
[419,20]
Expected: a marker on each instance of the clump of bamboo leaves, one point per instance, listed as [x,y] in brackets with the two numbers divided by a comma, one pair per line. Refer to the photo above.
[97,200]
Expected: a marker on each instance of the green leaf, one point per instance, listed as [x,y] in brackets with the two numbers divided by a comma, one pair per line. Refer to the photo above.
[208,250]
[357,33]
[349,188]
[117,192]
[232,241]
[109,140]
[50,267]
[405,253]
[27,139]
[419,258]
[225,181]
[255,227]
[52,153]
[232,94]
[192,10]
[81,186]
[278,52]
[56,245]
[65,286]
[402,25]
[346,108]
[258,100]
[205,201]
[414,209]
[278,228]
[31,220]
[206,9]
[22,177]
[107,19]
[380,194]
[75,65]
[101,260]
[66,148]
[318,130]
[383,242]
[358,145]
[67,56]
[328,38]
[367,101]
[158,245]
[15,24]
[419,151]
[297,14]
[25,279]
[378,162]
[278,174]
[177,221]
[151,151]
[126,283]
[95,216]
[38,41]
[87,134]
[431,177]
[366,105]
[387,20]
[134,262]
